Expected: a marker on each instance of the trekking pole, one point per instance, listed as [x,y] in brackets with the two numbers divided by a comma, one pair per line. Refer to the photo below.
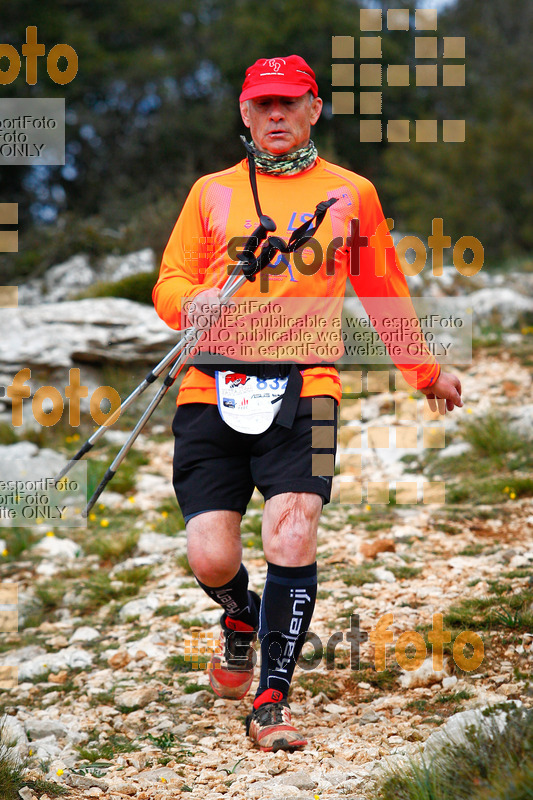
[167,383]
[232,285]
[150,378]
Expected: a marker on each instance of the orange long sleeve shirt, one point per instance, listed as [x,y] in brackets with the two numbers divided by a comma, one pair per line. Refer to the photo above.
[220,206]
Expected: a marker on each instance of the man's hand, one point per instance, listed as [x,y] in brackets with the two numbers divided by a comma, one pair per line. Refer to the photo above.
[445,392]
[205,309]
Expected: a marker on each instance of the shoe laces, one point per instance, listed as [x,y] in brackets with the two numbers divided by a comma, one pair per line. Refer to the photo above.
[238,650]
[271,713]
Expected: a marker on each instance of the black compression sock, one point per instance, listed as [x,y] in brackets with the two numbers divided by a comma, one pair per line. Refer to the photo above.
[235,598]
[286,610]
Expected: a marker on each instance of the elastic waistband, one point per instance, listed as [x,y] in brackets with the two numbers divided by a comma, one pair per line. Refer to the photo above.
[261,371]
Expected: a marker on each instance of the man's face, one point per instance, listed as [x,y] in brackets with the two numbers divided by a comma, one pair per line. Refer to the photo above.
[281,124]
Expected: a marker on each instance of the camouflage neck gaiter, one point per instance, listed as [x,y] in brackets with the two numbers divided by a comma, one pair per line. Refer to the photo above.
[287,163]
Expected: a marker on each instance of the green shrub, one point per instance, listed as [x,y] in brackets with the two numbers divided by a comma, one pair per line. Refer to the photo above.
[10,773]
[491,435]
[136,287]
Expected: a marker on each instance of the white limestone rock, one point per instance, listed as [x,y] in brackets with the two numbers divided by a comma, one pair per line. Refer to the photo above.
[42,728]
[137,698]
[425,675]
[52,547]
[84,634]
[143,607]
[60,335]
[456,727]
[150,543]
[384,575]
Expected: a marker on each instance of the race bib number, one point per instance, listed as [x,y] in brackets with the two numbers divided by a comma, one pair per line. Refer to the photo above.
[246,403]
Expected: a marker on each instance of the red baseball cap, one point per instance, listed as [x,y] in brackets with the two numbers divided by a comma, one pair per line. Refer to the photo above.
[290,76]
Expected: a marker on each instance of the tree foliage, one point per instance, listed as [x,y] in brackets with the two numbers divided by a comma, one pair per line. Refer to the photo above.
[484,186]
[154,105]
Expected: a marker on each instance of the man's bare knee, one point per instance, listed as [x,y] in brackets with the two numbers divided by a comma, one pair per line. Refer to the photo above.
[214,547]
[290,523]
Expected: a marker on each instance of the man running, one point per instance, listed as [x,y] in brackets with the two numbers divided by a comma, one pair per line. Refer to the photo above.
[222,448]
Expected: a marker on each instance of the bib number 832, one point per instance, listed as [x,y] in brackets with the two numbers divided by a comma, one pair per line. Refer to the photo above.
[273,384]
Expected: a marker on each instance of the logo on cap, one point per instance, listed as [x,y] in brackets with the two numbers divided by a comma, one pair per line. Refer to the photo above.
[275,64]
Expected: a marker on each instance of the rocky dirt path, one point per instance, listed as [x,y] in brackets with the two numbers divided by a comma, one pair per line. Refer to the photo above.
[107,702]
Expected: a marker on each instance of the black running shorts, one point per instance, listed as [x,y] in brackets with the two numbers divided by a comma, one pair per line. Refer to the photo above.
[216,468]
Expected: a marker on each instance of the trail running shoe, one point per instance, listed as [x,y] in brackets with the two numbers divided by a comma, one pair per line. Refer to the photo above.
[232,673]
[269,726]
